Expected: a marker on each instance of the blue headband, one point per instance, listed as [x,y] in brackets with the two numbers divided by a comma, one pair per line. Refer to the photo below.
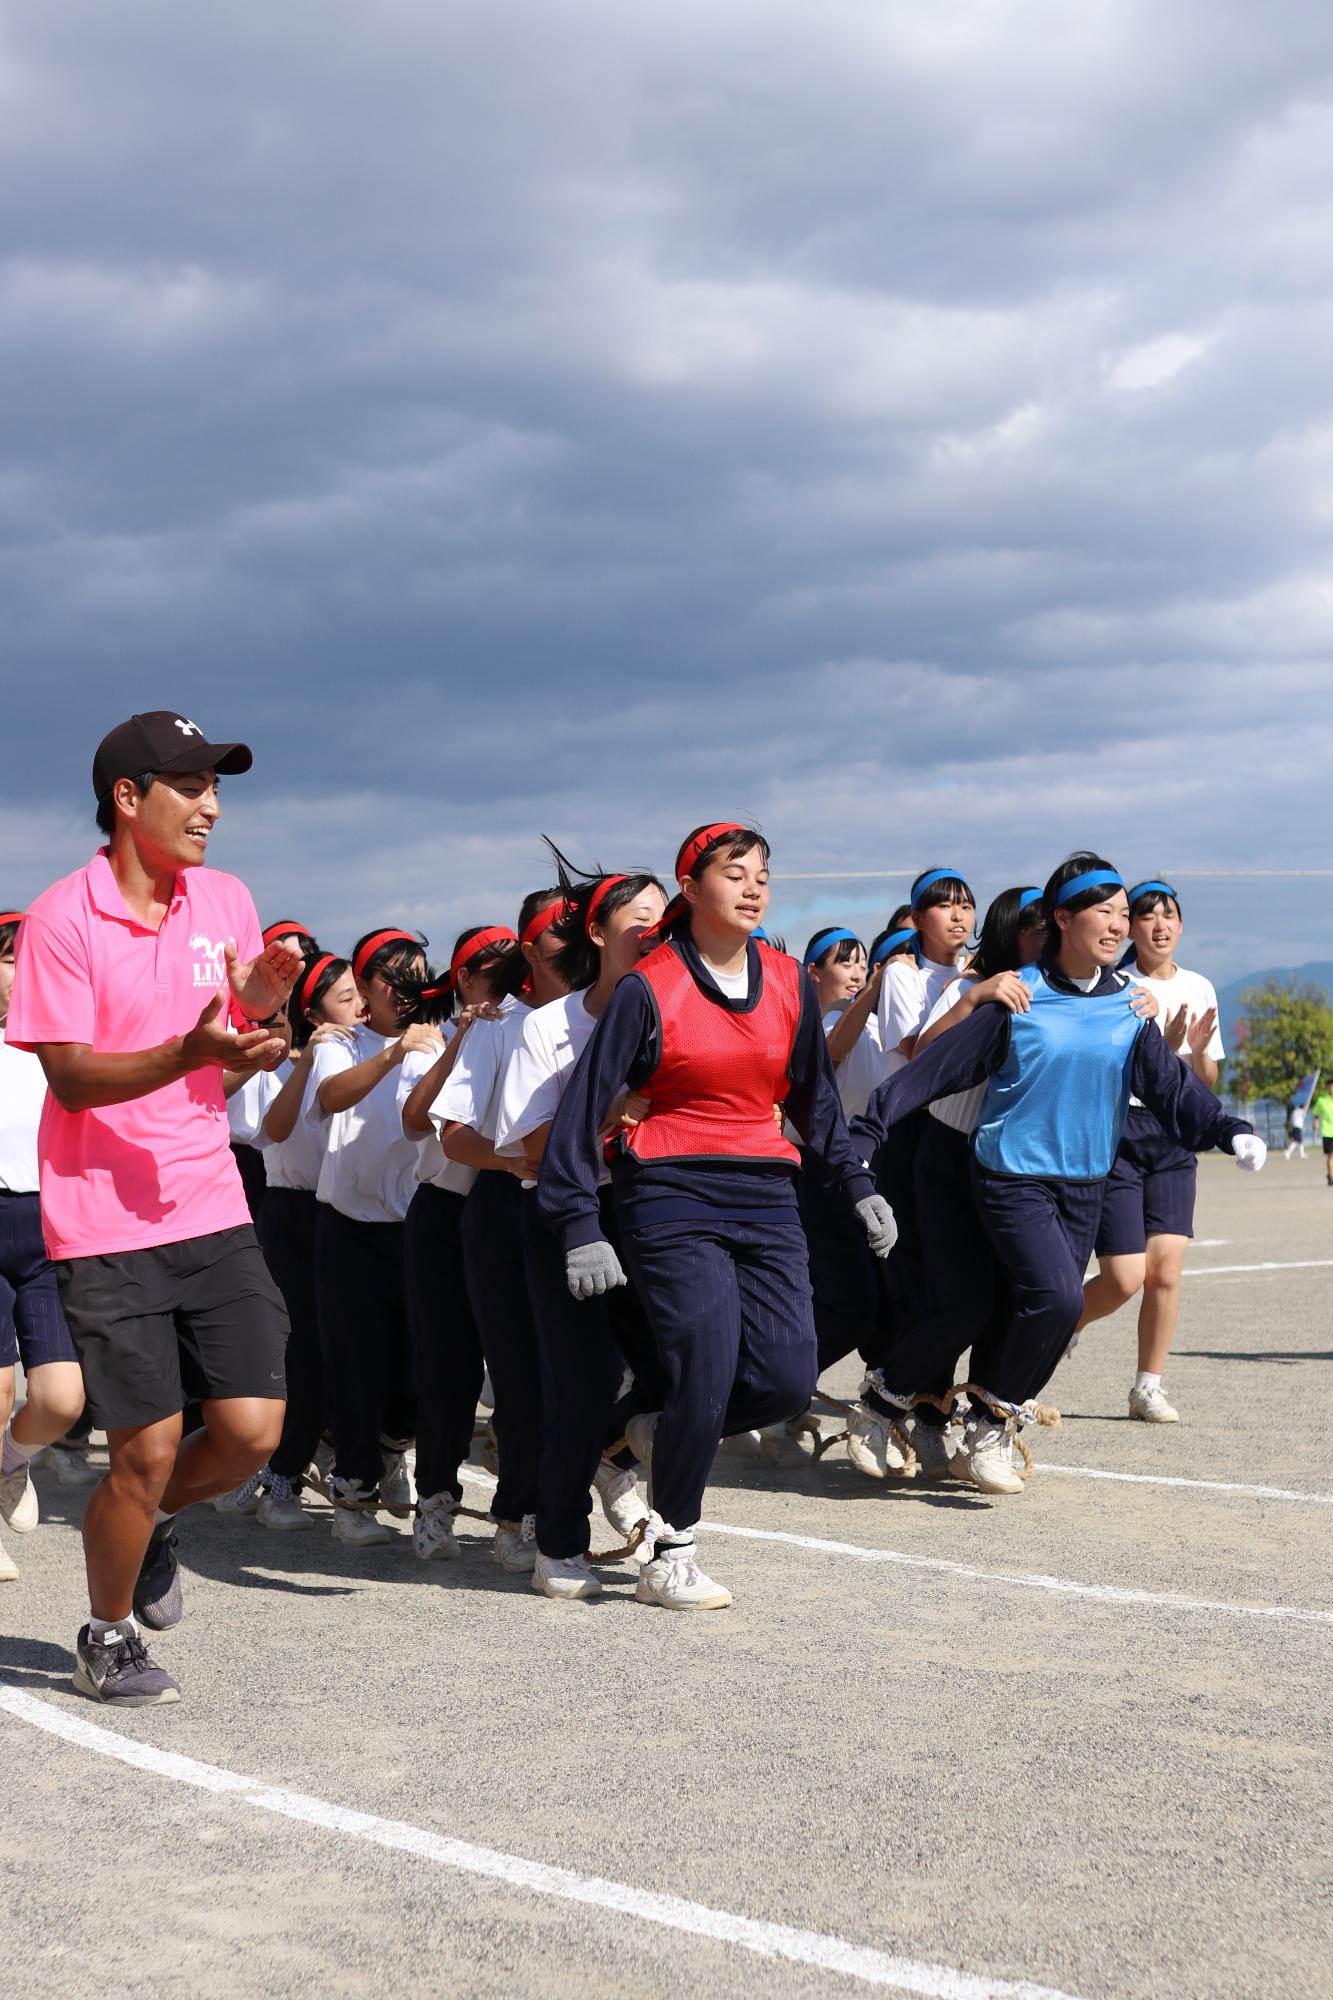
[837,935]
[893,942]
[760,933]
[1145,888]
[1028,898]
[928,881]
[1095,878]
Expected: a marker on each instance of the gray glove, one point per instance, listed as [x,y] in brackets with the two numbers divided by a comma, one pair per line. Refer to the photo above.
[593,1268]
[877,1221]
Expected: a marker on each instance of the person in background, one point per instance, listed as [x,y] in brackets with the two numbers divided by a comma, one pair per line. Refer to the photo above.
[1322,1113]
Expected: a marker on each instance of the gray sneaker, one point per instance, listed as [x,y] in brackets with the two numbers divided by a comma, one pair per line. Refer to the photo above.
[118,1669]
[157,1594]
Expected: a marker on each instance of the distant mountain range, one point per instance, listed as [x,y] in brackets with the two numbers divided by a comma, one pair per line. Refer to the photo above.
[1319,973]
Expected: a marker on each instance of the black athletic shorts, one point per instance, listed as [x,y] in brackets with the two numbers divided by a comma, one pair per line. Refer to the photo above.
[1327,1145]
[155,1329]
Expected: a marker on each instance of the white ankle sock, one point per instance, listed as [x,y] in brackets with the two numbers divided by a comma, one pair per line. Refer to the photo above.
[16,1454]
[1144,1380]
[99,1627]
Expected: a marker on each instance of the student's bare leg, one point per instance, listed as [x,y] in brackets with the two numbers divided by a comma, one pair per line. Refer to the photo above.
[1117,1280]
[239,1434]
[6,1395]
[55,1399]
[1161,1301]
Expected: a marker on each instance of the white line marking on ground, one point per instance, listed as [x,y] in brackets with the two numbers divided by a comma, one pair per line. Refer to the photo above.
[1231,1270]
[1197,1485]
[1106,1593]
[766,1940]
[1211,1242]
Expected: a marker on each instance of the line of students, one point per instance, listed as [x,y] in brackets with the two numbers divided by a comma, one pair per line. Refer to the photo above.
[654,1175]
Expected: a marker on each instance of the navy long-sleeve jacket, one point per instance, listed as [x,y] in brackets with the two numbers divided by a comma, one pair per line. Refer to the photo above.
[1185,1108]
[625,1050]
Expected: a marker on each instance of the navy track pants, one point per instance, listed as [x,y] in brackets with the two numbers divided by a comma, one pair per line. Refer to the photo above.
[447,1363]
[1042,1233]
[286,1230]
[498,1288]
[363,1329]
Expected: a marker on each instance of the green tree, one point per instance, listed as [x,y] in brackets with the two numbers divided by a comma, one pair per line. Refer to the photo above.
[1284,1031]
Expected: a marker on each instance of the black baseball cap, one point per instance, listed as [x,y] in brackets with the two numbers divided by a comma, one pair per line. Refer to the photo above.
[161,740]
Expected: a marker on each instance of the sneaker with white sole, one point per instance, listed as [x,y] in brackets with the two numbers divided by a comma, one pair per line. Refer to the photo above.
[791,1443]
[639,1437]
[396,1495]
[358,1527]
[1149,1406]
[674,1580]
[515,1545]
[319,1472]
[433,1537]
[565,1576]
[869,1446]
[988,1450]
[281,1507]
[619,1495]
[930,1442]
[158,1602]
[8,1567]
[118,1669]
[71,1465]
[243,1499]
[18,1500]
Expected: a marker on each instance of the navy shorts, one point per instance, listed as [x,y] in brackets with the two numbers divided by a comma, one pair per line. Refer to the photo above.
[1149,1190]
[32,1325]
[180,1322]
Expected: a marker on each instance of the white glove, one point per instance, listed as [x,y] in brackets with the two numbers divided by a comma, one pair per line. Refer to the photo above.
[878,1223]
[1250,1151]
[593,1268]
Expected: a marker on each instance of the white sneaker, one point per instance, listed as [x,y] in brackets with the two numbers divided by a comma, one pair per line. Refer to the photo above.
[70,1465]
[790,1443]
[433,1536]
[243,1499]
[619,1496]
[396,1486]
[1151,1407]
[8,1567]
[639,1437]
[988,1450]
[930,1442]
[320,1469]
[358,1527]
[869,1446]
[515,1549]
[674,1580]
[564,1576]
[18,1500]
[280,1508]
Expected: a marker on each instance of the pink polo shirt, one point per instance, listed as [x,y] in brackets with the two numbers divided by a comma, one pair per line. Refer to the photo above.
[158,1169]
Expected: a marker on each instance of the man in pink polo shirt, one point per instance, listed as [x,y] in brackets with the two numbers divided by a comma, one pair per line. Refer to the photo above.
[137,980]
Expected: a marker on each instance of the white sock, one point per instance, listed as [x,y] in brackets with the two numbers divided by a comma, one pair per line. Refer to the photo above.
[1145,1380]
[127,1627]
[15,1454]
[160,1515]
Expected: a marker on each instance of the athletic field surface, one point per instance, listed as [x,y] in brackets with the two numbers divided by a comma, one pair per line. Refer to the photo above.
[1074,1743]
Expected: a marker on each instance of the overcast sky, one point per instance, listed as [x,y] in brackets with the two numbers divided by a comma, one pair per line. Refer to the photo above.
[908,427]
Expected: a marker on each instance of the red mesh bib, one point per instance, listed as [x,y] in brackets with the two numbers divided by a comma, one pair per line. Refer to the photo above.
[719,1074]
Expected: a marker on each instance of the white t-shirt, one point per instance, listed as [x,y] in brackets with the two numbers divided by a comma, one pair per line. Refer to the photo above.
[906,996]
[962,1110]
[471,1095]
[248,1106]
[432,1165]
[552,1040]
[1184,989]
[736,985]
[294,1162]
[22,1095]
[369,1170]
[864,1067]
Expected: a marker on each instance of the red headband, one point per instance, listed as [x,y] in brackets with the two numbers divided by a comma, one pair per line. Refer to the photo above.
[311,979]
[543,920]
[599,895]
[467,951]
[285,929]
[11,916]
[374,943]
[692,849]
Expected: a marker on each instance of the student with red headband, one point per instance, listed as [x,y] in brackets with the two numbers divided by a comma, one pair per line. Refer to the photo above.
[1058,1075]
[325,1006]
[713,1030]
[584,1346]
[248,1098]
[465,1115]
[447,1361]
[366,1181]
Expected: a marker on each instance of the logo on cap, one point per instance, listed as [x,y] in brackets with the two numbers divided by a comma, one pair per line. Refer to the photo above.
[188,728]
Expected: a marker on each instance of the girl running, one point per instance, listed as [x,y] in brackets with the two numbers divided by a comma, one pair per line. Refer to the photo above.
[1148,1208]
[366,1180]
[465,1116]
[584,1347]
[714,1030]
[32,1324]
[1058,1076]
[447,1362]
